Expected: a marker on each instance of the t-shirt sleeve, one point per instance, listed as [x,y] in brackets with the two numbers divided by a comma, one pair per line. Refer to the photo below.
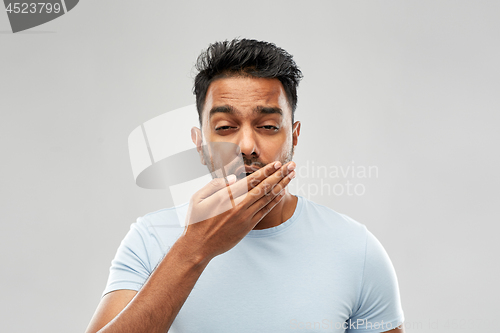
[131,266]
[379,306]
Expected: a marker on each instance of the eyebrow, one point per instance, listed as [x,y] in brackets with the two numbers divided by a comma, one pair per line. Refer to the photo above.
[230,110]
[222,109]
[268,110]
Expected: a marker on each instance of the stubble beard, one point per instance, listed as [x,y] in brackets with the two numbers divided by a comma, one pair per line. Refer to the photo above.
[284,158]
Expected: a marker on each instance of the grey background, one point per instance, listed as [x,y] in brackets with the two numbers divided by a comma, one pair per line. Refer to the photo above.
[409,87]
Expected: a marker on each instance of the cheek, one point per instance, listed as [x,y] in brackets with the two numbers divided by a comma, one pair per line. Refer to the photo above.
[207,135]
[280,149]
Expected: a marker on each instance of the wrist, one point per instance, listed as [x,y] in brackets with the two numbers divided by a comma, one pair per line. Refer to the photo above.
[190,251]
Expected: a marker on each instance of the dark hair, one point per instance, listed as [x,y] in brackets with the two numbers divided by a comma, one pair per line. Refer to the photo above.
[246,57]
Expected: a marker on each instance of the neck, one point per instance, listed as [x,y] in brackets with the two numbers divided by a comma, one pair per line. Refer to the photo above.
[280,213]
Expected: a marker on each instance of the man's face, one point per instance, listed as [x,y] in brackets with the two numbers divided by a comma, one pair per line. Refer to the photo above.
[252,113]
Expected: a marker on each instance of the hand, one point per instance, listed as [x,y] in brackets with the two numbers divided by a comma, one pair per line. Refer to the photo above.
[220,214]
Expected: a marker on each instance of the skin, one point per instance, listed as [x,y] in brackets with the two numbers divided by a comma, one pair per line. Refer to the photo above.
[262,137]
[266,141]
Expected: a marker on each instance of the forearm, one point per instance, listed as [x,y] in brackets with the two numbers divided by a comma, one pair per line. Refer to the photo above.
[156,305]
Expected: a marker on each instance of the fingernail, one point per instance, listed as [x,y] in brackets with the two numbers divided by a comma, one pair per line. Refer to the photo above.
[291,175]
[231,179]
[277,165]
[291,166]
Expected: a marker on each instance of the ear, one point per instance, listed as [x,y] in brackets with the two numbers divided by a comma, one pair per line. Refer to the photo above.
[197,140]
[295,133]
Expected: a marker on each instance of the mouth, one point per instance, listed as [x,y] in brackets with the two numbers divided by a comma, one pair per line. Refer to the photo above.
[246,171]
[242,175]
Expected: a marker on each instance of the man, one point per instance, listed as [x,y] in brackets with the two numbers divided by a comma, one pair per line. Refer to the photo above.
[272,261]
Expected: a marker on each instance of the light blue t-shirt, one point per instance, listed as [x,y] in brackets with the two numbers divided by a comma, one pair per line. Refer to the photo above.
[319,271]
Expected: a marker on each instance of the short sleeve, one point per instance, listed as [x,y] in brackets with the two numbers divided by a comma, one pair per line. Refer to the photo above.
[131,266]
[379,306]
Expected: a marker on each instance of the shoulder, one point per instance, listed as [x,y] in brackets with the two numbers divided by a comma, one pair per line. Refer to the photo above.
[160,229]
[332,230]
[331,220]
[165,217]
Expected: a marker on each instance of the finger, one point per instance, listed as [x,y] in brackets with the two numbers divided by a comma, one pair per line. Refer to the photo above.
[268,207]
[269,196]
[258,176]
[266,191]
[241,187]
[270,183]
[214,186]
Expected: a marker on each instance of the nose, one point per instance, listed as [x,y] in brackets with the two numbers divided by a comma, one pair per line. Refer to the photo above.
[248,143]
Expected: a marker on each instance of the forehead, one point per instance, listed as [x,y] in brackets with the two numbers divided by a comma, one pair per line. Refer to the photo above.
[246,94]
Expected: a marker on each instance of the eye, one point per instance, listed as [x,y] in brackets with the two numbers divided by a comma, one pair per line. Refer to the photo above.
[270,128]
[223,128]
